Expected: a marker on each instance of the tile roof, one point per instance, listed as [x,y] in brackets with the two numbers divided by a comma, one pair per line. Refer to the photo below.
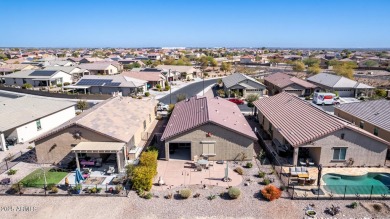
[96,65]
[198,111]
[179,68]
[147,76]
[336,81]
[299,122]
[118,117]
[376,112]
[236,78]
[22,110]
[40,73]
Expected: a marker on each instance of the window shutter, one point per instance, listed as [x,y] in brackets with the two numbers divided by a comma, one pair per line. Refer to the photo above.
[211,149]
[205,148]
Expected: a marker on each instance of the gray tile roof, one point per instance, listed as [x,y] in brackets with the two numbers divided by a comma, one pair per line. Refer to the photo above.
[33,74]
[376,112]
[22,110]
[198,111]
[237,78]
[336,81]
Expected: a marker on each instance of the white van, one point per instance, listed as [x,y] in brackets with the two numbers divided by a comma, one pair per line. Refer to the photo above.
[325,98]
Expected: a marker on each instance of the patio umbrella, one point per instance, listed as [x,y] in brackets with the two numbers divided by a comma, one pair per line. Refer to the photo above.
[78,176]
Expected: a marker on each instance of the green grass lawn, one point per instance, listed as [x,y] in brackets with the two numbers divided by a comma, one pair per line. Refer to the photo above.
[36,179]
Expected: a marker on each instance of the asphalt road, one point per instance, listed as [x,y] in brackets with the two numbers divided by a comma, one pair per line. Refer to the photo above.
[190,90]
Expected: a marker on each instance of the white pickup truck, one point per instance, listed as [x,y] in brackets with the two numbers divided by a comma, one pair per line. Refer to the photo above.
[162,107]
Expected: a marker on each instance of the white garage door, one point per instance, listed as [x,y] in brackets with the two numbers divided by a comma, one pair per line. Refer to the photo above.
[345,93]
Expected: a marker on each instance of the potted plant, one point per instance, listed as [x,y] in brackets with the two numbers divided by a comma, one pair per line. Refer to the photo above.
[78,188]
[311,213]
[118,189]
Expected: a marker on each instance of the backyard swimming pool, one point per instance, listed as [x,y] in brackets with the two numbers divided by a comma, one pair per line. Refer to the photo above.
[370,183]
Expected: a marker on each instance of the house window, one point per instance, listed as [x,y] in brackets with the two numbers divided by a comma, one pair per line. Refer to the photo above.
[144,124]
[39,126]
[208,149]
[339,153]
[361,124]
[376,131]
[342,135]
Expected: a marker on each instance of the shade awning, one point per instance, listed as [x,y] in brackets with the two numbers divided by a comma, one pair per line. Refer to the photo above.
[98,147]
[76,87]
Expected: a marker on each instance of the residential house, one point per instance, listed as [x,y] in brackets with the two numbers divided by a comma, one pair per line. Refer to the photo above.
[242,85]
[213,128]
[343,86]
[26,117]
[90,60]
[247,59]
[279,82]
[154,56]
[113,130]
[74,71]
[179,72]
[372,116]
[38,77]
[109,84]
[100,68]
[152,78]
[303,131]
[11,68]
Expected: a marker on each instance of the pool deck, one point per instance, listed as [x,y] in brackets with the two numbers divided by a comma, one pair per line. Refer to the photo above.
[305,191]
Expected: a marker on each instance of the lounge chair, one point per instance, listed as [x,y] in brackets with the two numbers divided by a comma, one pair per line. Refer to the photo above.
[294,171]
[110,170]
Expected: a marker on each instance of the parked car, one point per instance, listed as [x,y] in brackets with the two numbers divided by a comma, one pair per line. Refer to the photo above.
[236,101]
[325,98]
[162,107]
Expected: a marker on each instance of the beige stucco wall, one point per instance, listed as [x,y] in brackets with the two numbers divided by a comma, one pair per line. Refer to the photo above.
[228,144]
[363,150]
[64,142]
[384,134]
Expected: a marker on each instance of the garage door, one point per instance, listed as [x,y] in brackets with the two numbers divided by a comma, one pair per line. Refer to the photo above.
[345,93]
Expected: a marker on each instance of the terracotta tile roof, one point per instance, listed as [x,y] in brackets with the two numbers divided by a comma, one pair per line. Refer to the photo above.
[198,111]
[283,80]
[146,76]
[298,121]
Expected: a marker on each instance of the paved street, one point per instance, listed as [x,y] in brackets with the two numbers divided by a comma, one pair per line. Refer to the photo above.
[190,90]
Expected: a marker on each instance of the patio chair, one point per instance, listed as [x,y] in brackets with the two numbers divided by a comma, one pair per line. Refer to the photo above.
[311,162]
[198,167]
[98,162]
[301,181]
[302,162]
[87,170]
[310,181]
[110,170]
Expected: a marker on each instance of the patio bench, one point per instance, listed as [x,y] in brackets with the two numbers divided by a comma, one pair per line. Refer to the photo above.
[294,171]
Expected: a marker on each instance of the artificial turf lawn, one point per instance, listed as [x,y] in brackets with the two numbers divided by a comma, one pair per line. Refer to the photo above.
[36,179]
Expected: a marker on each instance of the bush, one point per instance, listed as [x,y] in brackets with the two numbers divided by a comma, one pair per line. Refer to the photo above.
[282,188]
[66,83]
[142,175]
[380,92]
[11,172]
[54,189]
[158,86]
[50,186]
[59,85]
[239,170]
[307,98]
[167,87]
[16,188]
[271,193]
[353,205]
[149,195]
[185,193]
[147,94]
[26,86]
[261,174]
[234,192]
[249,165]
[30,147]
[266,181]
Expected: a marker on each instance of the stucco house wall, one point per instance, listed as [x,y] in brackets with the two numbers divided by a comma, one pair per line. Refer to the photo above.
[53,148]
[228,144]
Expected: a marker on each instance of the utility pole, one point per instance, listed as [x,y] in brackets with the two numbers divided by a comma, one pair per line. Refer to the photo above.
[170,89]
[203,83]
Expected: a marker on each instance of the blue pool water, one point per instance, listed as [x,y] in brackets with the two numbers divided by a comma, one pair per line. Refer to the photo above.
[375,183]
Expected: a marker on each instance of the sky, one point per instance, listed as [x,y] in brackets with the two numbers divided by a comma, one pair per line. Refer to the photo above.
[195,23]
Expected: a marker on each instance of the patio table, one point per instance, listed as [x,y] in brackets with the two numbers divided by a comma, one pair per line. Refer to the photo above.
[203,163]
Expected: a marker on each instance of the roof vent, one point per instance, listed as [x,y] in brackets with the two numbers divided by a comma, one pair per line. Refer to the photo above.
[375,114]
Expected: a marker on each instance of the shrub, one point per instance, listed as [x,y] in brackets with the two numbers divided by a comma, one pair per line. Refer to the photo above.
[239,170]
[353,205]
[380,92]
[54,189]
[249,165]
[266,181]
[185,193]
[139,97]
[11,172]
[166,83]
[66,83]
[142,175]
[211,197]
[149,195]
[158,86]
[261,174]
[93,190]
[16,188]
[234,192]
[271,193]
[167,87]
[307,98]
[377,207]
[59,85]
[50,186]
[26,86]
[30,147]
[282,188]
[147,94]
[168,196]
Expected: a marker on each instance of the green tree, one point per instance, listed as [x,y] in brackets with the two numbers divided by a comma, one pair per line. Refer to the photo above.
[315,69]
[250,99]
[370,63]
[181,97]
[76,54]
[149,63]
[344,69]
[380,92]
[226,67]
[298,66]
[221,93]
[82,105]
[311,62]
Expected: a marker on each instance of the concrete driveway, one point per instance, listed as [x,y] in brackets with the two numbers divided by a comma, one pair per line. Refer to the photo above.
[179,173]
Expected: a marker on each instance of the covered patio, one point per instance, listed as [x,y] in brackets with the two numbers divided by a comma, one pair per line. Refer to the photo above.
[77,87]
[99,154]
